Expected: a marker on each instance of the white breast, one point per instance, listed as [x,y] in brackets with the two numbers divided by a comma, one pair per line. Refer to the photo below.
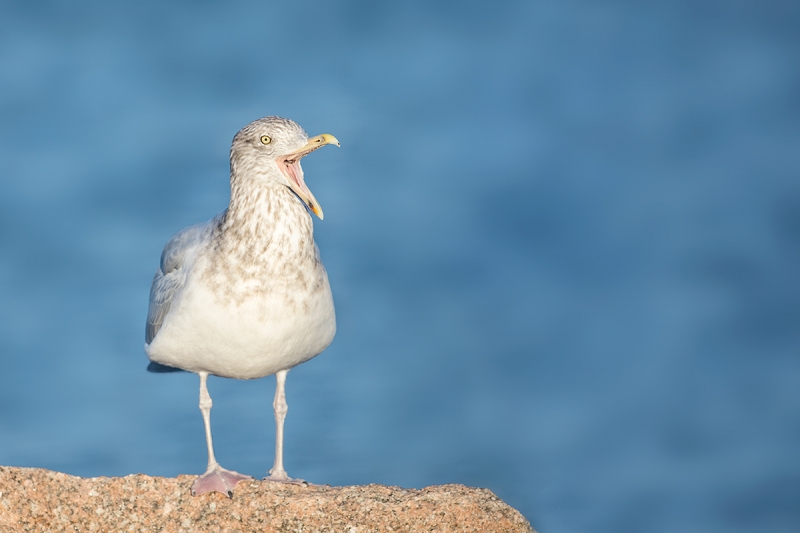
[252,339]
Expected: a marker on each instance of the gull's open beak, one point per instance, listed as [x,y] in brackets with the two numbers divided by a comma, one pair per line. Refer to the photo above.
[290,166]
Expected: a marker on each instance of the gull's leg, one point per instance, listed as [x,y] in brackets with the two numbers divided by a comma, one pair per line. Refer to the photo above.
[278,473]
[215,478]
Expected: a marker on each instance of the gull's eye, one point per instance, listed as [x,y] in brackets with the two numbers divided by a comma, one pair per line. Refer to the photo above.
[266,139]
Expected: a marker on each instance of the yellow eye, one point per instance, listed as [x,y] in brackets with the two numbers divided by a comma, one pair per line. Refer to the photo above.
[266,139]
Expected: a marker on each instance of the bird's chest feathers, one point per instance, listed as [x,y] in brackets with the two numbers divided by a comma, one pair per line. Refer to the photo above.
[265,258]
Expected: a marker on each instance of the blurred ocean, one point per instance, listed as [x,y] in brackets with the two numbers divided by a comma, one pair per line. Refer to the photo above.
[563,239]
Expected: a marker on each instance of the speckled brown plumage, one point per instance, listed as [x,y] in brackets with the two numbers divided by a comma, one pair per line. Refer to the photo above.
[255,252]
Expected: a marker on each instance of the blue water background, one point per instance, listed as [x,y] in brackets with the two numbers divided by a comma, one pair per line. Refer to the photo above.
[563,240]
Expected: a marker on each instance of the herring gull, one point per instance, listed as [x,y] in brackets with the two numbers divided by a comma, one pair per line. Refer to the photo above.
[245,294]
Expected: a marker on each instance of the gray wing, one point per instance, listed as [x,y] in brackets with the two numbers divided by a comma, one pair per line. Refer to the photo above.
[176,260]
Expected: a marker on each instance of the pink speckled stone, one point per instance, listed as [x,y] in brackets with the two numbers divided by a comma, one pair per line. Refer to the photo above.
[33,499]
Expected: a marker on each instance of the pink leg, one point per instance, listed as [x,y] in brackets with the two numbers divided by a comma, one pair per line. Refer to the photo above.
[281,408]
[215,477]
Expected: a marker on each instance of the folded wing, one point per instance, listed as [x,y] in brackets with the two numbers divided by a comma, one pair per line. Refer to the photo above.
[170,278]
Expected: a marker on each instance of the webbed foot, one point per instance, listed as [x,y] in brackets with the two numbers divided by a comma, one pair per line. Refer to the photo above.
[281,477]
[217,479]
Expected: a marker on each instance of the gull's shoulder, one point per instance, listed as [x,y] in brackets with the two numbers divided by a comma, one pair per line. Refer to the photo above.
[176,261]
[182,245]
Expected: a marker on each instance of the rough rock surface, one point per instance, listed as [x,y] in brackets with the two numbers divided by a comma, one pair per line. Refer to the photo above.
[32,499]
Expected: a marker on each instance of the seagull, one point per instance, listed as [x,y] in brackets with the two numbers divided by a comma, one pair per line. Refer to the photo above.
[245,294]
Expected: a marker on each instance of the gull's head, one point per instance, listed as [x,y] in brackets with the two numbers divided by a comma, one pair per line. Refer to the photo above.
[270,148]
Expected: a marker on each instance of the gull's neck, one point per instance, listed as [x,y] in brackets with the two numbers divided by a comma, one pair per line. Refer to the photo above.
[261,207]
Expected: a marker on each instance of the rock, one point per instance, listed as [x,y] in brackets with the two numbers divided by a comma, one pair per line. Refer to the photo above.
[33,499]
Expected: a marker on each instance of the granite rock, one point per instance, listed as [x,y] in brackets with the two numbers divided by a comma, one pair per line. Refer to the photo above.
[33,499]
